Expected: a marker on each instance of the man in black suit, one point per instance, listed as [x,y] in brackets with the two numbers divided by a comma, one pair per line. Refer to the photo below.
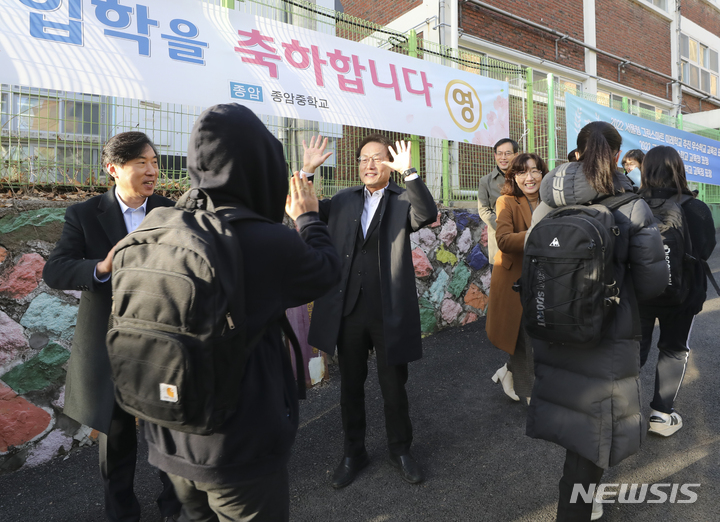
[375,305]
[82,260]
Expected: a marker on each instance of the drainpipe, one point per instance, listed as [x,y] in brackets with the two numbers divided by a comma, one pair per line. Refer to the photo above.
[677,88]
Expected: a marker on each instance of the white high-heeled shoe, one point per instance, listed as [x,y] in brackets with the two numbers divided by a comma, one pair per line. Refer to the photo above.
[505,377]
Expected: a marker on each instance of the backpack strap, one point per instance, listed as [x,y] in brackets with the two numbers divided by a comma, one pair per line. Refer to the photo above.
[299,361]
[709,274]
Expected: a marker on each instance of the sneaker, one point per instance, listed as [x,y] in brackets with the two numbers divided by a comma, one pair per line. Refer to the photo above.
[597,510]
[663,423]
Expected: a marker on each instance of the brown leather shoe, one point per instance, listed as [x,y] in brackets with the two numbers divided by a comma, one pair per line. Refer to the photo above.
[409,468]
[348,469]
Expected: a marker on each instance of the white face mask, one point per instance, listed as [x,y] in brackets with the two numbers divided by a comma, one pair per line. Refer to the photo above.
[634,175]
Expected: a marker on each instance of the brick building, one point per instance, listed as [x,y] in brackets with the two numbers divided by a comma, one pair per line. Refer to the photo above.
[659,55]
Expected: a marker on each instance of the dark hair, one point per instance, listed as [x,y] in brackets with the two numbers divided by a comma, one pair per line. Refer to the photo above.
[518,166]
[375,138]
[571,156]
[663,168]
[598,142]
[125,147]
[634,154]
[503,141]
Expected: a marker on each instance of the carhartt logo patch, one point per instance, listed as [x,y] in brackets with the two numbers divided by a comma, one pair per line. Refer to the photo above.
[168,392]
[555,243]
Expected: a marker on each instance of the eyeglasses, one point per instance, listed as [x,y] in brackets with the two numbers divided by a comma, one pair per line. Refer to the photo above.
[364,160]
[504,154]
[535,174]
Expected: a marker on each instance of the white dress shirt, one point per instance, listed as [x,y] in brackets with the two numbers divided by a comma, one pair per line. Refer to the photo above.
[372,202]
[132,217]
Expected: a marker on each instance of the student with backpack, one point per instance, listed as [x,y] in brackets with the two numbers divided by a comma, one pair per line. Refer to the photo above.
[239,471]
[688,231]
[586,396]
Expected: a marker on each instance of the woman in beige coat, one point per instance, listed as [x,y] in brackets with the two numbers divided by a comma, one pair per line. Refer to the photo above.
[514,213]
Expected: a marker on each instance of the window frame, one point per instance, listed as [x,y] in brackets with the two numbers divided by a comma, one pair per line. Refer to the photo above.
[694,55]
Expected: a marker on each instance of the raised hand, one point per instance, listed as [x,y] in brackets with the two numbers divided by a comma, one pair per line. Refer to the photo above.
[302,197]
[314,155]
[401,159]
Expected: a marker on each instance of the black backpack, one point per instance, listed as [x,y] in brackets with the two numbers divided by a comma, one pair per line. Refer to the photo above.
[672,224]
[568,287]
[178,345]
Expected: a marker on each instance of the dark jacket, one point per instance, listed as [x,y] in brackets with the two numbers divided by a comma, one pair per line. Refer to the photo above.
[405,211]
[238,161]
[702,235]
[91,229]
[489,190]
[587,399]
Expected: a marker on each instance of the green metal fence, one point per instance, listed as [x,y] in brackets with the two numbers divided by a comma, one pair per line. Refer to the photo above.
[53,138]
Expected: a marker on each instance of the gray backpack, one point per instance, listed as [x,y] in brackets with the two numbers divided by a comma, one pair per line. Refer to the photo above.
[178,346]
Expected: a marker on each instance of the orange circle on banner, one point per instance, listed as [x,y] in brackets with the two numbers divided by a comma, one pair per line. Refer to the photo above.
[464,105]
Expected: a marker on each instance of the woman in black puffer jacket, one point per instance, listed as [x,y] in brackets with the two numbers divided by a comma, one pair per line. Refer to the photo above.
[663,177]
[587,399]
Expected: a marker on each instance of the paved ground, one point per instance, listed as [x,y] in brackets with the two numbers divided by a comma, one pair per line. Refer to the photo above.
[470,438]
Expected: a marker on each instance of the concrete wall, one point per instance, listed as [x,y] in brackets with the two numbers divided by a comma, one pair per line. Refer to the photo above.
[37,323]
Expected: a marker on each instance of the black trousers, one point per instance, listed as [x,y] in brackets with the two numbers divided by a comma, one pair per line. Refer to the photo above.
[675,329]
[264,499]
[360,331]
[118,455]
[581,471]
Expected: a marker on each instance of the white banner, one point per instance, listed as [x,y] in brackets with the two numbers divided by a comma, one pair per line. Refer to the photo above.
[190,52]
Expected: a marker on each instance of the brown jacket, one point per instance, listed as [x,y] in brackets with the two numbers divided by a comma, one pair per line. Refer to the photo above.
[504,310]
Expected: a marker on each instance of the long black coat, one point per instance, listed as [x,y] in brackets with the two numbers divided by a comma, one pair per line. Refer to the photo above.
[91,229]
[405,212]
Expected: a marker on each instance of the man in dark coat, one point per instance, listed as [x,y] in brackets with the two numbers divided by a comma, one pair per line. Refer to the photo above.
[240,471]
[82,260]
[375,305]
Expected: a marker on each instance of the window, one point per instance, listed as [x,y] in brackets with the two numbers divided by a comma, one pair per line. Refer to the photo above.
[635,107]
[4,109]
[32,112]
[699,65]
[561,83]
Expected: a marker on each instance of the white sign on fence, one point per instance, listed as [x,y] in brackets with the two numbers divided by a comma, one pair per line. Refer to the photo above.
[191,52]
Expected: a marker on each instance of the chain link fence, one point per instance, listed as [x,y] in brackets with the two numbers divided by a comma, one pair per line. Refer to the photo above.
[53,138]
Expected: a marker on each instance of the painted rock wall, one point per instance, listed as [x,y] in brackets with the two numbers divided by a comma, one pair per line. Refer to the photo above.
[37,323]
[36,328]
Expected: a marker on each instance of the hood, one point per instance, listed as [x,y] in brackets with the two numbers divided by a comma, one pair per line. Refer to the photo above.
[237,160]
[567,185]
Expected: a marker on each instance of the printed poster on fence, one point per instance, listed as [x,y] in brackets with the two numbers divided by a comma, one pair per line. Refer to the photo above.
[191,52]
[701,155]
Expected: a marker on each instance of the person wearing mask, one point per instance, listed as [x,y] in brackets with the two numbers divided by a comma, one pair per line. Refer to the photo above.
[239,472]
[520,197]
[632,163]
[587,398]
[489,190]
[663,177]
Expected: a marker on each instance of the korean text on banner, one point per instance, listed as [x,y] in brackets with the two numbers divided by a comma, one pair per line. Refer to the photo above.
[192,52]
[701,155]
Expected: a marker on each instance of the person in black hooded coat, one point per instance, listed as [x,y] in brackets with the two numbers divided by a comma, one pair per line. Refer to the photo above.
[240,471]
